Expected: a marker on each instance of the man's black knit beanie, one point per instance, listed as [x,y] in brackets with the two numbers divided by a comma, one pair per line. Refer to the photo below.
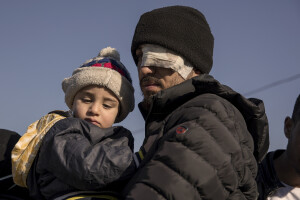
[181,29]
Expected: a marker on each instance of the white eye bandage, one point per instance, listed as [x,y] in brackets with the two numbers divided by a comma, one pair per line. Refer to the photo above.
[157,56]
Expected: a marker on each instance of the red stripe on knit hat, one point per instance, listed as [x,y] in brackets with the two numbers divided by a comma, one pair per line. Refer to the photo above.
[109,65]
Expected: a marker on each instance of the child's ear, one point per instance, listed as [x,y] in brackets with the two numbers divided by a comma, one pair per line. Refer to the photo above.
[70,113]
[288,126]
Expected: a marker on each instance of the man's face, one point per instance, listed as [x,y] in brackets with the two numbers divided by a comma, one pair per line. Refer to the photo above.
[96,105]
[154,79]
[292,131]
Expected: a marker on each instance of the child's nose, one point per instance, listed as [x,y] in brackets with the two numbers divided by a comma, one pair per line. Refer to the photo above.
[95,109]
[144,70]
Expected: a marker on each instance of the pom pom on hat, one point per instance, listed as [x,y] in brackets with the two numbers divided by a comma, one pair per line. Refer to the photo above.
[107,71]
[109,52]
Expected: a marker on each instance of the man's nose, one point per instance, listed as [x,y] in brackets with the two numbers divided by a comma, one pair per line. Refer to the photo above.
[144,70]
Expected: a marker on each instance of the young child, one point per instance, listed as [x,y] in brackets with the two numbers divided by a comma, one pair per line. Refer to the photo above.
[78,154]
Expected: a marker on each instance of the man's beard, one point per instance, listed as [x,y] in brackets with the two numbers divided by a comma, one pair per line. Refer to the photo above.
[150,79]
[148,95]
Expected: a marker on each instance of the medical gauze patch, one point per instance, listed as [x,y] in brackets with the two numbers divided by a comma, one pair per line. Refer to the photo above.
[157,56]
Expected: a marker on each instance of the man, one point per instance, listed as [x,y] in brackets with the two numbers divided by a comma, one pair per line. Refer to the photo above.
[279,173]
[8,189]
[202,139]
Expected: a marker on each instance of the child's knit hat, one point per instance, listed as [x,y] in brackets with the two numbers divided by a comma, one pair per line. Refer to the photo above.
[104,70]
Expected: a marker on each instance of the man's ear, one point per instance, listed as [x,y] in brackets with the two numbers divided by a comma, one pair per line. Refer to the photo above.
[288,126]
[194,72]
[197,71]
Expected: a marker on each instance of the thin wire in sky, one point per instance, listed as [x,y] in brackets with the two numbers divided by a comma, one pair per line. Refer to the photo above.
[274,84]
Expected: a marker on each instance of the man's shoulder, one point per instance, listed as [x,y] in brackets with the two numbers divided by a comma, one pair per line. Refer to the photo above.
[266,167]
[267,179]
[212,102]
[271,156]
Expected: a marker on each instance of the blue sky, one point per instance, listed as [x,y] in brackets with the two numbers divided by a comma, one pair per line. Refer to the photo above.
[257,43]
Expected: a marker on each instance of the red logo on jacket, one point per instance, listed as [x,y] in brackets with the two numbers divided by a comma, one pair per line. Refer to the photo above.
[181,129]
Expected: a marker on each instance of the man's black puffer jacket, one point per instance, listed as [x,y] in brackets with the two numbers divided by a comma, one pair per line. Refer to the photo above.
[203,141]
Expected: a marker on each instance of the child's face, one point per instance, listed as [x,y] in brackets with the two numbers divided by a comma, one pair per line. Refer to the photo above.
[96,105]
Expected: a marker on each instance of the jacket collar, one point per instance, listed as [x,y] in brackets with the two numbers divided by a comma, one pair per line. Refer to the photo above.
[167,100]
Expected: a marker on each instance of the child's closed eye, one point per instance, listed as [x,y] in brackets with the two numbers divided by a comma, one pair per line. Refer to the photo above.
[107,106]
[86,100]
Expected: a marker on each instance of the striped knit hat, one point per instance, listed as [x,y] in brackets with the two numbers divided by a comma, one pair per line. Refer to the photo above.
[103,70]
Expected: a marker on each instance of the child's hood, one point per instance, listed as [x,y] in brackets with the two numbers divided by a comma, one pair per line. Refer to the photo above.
[27,147]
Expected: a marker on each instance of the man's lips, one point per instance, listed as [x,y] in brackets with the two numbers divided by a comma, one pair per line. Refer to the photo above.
[149,82]
[150,86]
[146,84]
